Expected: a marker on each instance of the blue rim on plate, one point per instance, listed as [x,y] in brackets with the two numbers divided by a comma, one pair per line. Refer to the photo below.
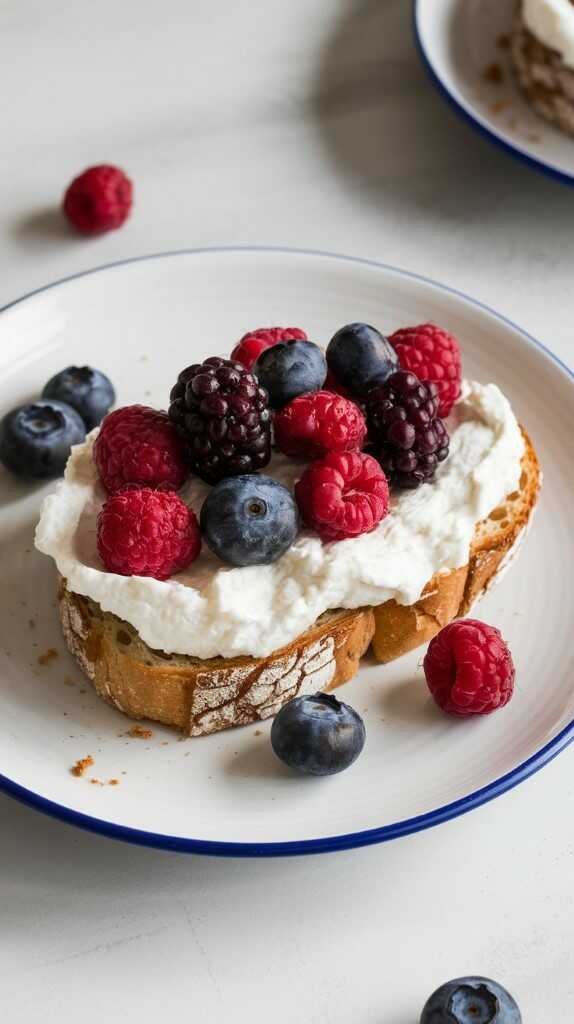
[510,148]
[329,843]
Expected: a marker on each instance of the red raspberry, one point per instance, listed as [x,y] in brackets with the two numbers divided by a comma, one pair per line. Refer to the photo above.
[142,532]
[469,669]
[139,445]
[252,344]
[343,495]
[433,355]
[98,200]
[319,422]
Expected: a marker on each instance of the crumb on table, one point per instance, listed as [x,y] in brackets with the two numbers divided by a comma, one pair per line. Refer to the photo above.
[82,765]
[503,41]
[32,623]
[50,655]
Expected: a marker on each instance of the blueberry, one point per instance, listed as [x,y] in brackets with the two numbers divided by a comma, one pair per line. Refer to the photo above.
[289,369]
[88,391]
[35,439]
[471,1001]
[249,519]
[359,356]
[318,735]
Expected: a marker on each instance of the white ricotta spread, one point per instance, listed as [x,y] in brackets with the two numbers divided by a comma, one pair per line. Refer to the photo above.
[552,22]
[212,609]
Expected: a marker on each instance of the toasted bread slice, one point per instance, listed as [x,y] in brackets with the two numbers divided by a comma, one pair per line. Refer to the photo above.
[204,696]
[401,628]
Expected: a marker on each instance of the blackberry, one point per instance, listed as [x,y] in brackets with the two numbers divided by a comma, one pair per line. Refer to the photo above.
[223,417]
[405,432]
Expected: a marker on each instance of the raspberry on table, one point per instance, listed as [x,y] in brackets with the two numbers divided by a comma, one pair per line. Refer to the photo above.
[252,344]
[142,532]
[469,669]
[316,423]
[139,445]
[433,355]
[98,200]
[223,418]
[405,432]
[343,495]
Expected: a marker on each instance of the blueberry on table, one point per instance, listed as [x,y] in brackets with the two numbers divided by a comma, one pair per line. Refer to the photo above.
[360,356]
[249,519]
[289,369]
[317,735]
[88,391]
[472,1000]
[35,439]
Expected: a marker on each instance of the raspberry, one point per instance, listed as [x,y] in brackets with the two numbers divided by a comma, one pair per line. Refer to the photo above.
[343,495]
[433,355]
[98,200]
[223,417]
[142,532]
[319,422]
[469,668]
[407,436]
[139,445]
[253,343]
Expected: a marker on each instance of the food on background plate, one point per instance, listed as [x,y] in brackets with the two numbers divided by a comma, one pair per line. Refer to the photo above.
[405,519]
[542,50]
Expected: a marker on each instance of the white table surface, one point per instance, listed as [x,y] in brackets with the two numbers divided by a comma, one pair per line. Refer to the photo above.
[306,123]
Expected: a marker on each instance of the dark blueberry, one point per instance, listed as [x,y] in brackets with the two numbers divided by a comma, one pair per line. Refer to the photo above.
[289,369]
[318,735]
[35,439]
[360,357]
[471,1001]
[88,391]
[249,519]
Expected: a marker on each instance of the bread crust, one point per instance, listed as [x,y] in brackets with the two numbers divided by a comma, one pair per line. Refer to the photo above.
[451,595]
[205,696]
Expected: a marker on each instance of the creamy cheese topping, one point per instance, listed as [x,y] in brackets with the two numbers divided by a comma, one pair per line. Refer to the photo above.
[212,609]
[552,22]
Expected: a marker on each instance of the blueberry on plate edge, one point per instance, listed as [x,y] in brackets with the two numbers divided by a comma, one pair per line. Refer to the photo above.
[36,439]
[318,734]
[87,390]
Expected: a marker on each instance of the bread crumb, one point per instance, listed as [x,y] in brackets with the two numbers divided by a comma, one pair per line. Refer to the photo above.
[164,743]
[32,623]
[503,41]
[258,732]
[138,732]
[50,655]
[493,74]
[82,765]
[499,106]
[83,690]
[114,782]
[68,681]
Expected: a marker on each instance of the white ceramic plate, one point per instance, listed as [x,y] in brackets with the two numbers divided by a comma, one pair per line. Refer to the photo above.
[141,322]
[458,40]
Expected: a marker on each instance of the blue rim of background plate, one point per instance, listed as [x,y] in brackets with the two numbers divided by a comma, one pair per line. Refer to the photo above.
[328,844]
[510,148]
